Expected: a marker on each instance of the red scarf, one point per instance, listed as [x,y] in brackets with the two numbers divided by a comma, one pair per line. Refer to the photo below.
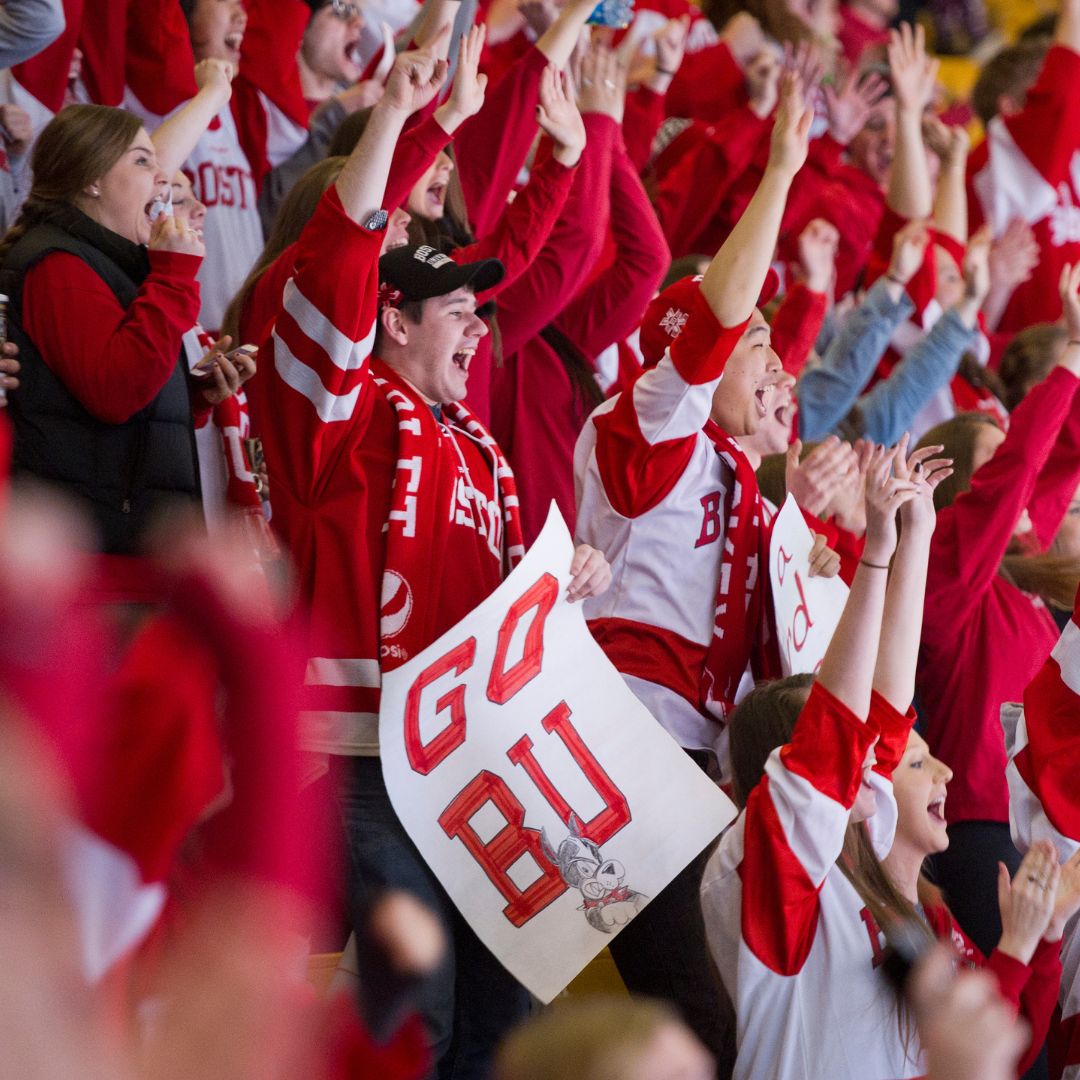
[416,527]
[743,625]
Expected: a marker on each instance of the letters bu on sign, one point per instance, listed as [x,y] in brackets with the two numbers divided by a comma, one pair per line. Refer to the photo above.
[807,609]
[543,795]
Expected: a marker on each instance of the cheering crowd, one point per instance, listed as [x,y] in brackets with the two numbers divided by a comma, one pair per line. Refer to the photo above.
[313,308]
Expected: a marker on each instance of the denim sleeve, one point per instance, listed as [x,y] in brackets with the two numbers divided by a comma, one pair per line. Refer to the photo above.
[827,391]
[27,27]
[890,407]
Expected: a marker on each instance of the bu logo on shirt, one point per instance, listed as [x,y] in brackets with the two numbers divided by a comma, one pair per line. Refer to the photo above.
[711,506]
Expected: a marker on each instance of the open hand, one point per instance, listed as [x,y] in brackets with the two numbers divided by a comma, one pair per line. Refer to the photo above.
[558,116]
[914,74]
[850,102]
[791,129]
[1027,902]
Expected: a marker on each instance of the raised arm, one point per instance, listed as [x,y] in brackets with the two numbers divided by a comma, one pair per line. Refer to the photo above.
[950,145]
[891,406]
[417,77]
[901,628]
[732,283]
[848,669]
[175,139]
[827,391]
[913,76]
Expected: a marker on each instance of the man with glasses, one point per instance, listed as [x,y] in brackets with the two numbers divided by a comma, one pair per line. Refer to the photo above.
[330,55]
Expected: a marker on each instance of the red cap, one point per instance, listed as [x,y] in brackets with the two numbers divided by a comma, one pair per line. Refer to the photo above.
[667,313]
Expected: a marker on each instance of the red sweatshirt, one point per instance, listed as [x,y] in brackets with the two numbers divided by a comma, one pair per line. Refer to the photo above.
[537,412]
[493,144]
[983,639]
[113,360]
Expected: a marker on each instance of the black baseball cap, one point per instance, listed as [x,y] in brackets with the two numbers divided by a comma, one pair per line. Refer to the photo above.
[419,272]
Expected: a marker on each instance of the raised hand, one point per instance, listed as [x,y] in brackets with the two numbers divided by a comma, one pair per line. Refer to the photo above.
[1067,900]
[791,129]
[926,471]
[804,61]
[467,94]
[1027,902]
[602,83]
[885,495]
[558,116]
[215,74]
[909,250]
[815,481]
[949,144]
[850,102]
[416,77]
[914,74]
[818,243]
[1013,256]
[670,45]
[977,267]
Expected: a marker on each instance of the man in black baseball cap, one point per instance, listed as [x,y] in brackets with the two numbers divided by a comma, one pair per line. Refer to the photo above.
[428,329]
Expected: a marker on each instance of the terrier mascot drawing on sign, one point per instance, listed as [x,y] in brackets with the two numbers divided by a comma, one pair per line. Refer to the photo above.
[608,903]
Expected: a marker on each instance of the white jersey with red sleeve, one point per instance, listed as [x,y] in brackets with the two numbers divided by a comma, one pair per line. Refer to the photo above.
[651,491]
[792,939]
[1043,742]
[1029,168]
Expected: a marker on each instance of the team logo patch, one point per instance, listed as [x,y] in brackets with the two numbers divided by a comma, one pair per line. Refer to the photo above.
[397,604]
[673,322]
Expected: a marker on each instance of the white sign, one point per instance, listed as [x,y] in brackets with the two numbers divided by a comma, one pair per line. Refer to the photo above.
[544,796]
[807,608]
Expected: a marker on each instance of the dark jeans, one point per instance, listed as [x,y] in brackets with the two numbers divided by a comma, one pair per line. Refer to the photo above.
[967,873]
[471,1001]
[663,953]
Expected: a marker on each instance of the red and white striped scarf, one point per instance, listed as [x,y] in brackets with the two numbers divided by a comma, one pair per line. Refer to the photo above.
[743,629]
[417,525]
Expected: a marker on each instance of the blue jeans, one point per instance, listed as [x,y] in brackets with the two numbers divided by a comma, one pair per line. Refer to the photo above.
[471,1001]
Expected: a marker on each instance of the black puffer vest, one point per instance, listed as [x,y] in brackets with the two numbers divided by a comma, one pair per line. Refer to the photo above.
[123,473]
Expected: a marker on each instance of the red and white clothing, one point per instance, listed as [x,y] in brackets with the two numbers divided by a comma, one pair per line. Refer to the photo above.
[787,929]
[1029,168]
[653,494]
[795,944]
[1043,742]
[333,421]
[263,125]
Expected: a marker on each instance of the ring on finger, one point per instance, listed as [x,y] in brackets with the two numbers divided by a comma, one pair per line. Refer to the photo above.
[609,84]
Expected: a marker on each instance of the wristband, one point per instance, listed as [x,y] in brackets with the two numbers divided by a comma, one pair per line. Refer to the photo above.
[874,565]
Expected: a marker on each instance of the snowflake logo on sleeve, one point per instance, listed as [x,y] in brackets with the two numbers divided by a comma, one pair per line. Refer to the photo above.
[673,322]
